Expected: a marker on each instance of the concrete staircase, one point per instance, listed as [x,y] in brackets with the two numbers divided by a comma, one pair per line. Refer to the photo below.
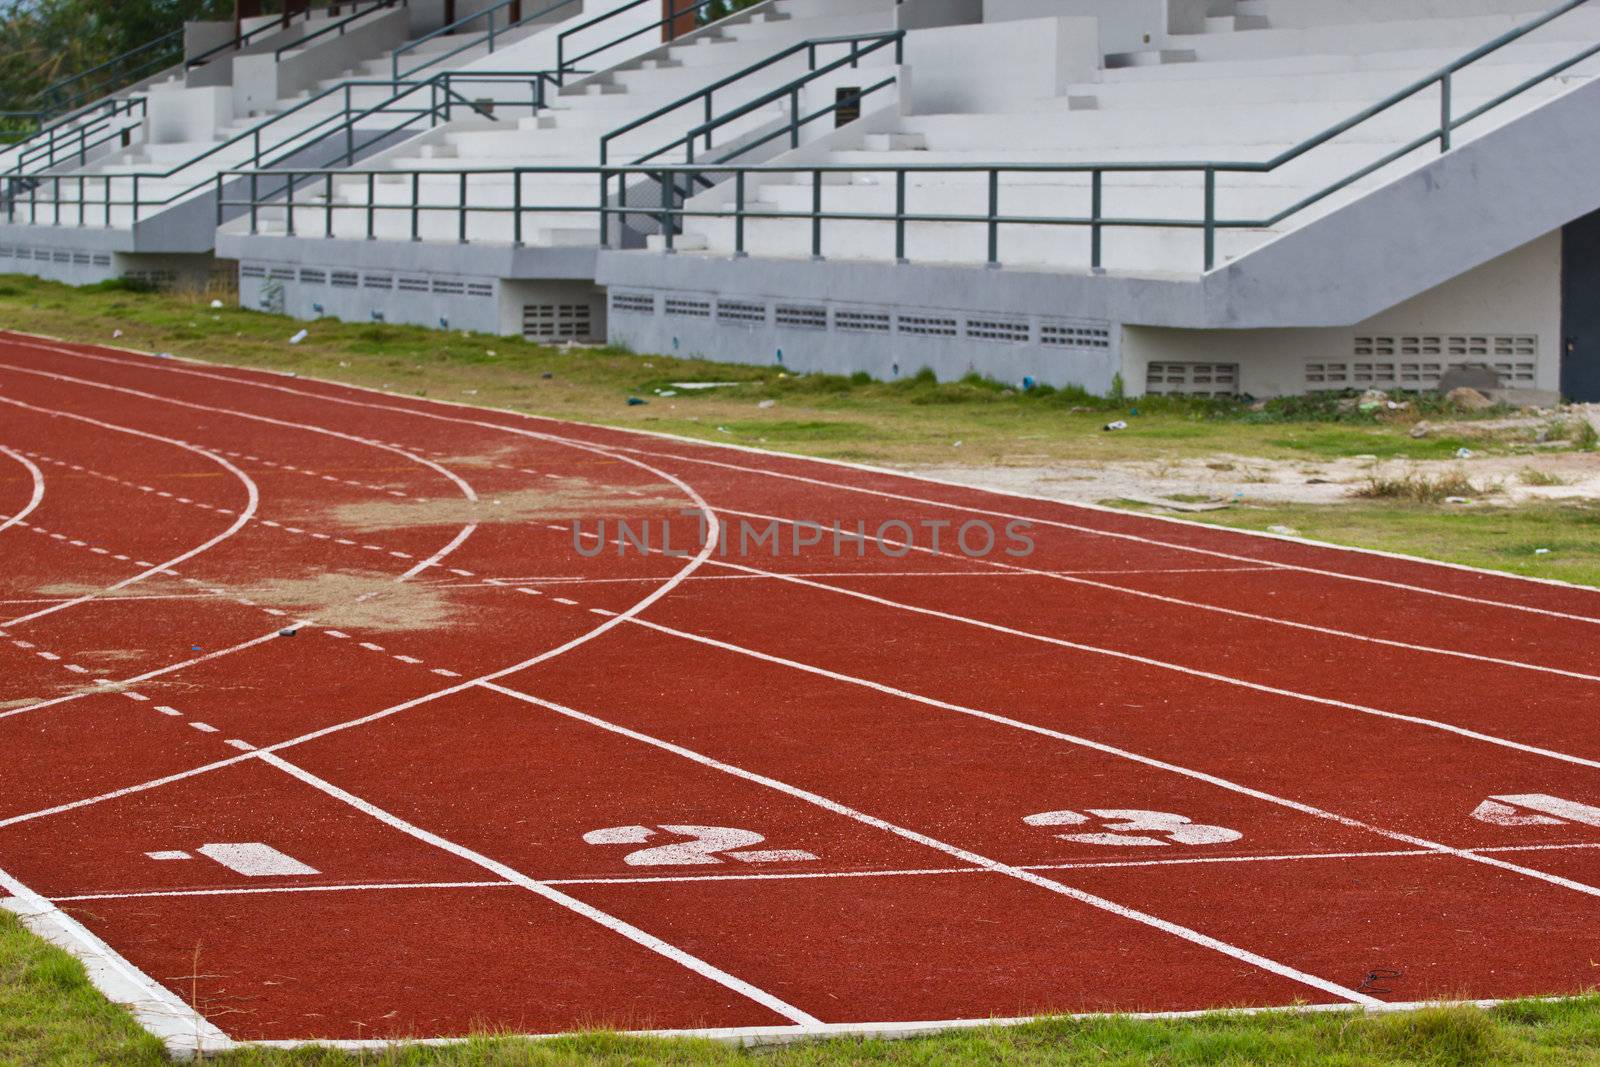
[1266,75]
[569,131]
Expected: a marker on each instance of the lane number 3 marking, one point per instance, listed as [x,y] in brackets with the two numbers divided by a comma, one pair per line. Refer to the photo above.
[704,844]
[1535,809]
[1133,827]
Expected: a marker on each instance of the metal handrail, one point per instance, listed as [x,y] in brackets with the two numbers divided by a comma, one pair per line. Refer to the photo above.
[695,7]
[262,157]
[342,25]
[166,40]
[707,93]
[488,13]
[58,148]
[789,90]
[1097,220]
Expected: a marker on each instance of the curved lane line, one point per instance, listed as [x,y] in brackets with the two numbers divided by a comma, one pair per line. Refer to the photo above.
[38,488]
[252,494]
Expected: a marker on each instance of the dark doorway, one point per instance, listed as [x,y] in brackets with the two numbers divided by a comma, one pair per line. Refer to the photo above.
[1580,310]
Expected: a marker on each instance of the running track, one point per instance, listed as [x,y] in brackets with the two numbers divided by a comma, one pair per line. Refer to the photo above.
[495,781]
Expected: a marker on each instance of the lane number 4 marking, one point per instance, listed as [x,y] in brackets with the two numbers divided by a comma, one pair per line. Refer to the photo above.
[1133,827]
[705,844]
[1535,809]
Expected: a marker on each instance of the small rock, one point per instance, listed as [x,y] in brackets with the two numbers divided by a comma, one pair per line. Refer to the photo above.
[957,444]
[288,633]
[1463,453]
[1468,399]
[1421,430]
[116,333]
[1541,552]
[765,404]
[547,376]
[216,303]
[1283,531]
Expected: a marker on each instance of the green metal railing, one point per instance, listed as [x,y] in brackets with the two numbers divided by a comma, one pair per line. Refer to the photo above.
[701,9]
[338,27]
[493,31]
[101,191]
[993,219]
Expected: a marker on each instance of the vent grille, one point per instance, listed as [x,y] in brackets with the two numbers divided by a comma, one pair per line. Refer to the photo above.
[281,274]
[414,285]
[557,322]
[1420,361]
[927,325]
[448,287]
[378,281]
[313,277]
[253,270]
[1192,379]
[1005,331]
[858,321]
[683,308]
[634,303]
[741,311]
[1075,335]
[345,279]
[480,289]
[801,316]
[102,259]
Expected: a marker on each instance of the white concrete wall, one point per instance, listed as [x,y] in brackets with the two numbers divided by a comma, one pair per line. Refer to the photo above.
[176,115]
[992,66]
[261,79]
[1516,294]
[1125,25]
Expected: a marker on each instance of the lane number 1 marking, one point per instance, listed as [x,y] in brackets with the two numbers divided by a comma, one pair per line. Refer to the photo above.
[705,844]
[1134,827]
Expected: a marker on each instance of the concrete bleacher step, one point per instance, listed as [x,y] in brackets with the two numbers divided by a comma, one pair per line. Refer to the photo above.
[1152,57]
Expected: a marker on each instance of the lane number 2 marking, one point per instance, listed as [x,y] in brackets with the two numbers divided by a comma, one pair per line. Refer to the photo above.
[1535,809]
[705,844]
[1133,827]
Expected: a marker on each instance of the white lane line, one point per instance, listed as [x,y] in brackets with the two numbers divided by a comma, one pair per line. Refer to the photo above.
[157,673]
[177,1024]
[579,579]
[1194,604]
[713,532]
[1193,672]
[252,495]
[1137,538]
[34,498]
[750,876]
[510,874]
[1121,753]
[460,484]
[1184,933]
[176,367]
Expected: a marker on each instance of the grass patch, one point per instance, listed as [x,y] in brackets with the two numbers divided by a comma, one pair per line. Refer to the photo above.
[915,419]
[1420,488]
[1532,476]
[1494,538]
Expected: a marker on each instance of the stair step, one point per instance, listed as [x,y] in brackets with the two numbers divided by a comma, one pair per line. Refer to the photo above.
[1154,57]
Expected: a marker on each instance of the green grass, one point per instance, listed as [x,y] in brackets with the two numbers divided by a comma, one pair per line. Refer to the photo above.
[913,420]
[50,1014]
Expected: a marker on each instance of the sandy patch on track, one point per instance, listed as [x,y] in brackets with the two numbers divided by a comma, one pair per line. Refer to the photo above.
[25,702]
[571,498]
[357,600]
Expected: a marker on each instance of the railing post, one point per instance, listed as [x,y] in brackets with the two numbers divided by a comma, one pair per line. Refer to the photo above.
[994,220]
[669,190]
[516,209]
[900,217]
[108,201]
[372,206]
[461,227]
[738,216]
[288,208]
[349,129]
[1446,120]
[135,219]
[794,119]
[82,201]
[327,203]
[416,205]
[816,215]
[1096,231]
[1211,218]
[255,200]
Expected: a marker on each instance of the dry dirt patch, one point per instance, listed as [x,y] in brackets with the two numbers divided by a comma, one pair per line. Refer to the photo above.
[357,600]
[570,498]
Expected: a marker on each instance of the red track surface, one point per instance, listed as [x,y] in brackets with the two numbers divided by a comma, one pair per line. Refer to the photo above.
[886,725]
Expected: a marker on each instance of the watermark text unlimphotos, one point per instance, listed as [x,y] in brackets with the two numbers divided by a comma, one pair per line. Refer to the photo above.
[741,537]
